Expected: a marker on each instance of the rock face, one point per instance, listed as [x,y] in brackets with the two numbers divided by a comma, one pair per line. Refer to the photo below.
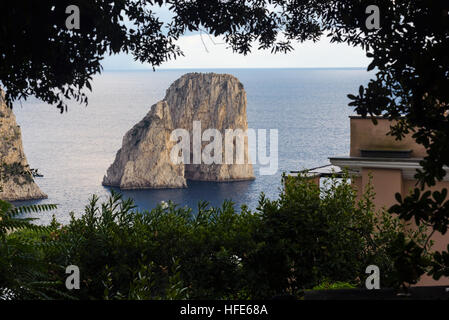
[16,180]
[217,100]
[144,159]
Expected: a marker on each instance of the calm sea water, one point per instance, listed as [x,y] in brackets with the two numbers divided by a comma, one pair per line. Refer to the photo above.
[73,150]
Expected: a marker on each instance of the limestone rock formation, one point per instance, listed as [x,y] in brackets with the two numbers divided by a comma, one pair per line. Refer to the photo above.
[217,100]
[16,180]
[144,159]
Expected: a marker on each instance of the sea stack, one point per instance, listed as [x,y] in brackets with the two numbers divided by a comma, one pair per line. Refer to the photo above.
[217,100]
[16,180]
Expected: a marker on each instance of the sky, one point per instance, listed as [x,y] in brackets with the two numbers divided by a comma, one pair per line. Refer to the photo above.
[203,51]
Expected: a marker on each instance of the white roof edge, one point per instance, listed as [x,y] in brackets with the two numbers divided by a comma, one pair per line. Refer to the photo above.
[408,167]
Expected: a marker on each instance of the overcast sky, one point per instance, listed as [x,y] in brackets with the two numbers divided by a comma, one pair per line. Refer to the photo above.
[213,54]
[204,51]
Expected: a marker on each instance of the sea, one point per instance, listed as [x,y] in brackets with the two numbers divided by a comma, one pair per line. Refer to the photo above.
[73,150]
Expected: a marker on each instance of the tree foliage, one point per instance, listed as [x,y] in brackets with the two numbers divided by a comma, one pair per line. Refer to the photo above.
[40,56]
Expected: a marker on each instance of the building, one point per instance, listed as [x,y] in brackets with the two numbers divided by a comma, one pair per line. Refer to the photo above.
[392,165]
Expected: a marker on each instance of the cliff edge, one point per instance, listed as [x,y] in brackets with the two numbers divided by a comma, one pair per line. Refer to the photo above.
[16,180]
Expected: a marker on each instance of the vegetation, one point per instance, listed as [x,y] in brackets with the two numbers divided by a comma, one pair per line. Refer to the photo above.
[408,52]
[302,240]
[15,170]
[23,271]
[326,285]
[408,55]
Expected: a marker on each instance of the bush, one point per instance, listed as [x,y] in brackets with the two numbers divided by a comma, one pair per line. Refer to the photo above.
[115,244]
[23,269]
[326,285]
[310,235]
[305,238]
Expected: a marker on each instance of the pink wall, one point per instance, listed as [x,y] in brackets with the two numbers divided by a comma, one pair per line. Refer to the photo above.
[440,241]
[385,183]
[365,135]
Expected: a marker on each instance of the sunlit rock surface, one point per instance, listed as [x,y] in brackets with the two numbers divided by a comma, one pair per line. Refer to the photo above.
[16,181]
[217,100]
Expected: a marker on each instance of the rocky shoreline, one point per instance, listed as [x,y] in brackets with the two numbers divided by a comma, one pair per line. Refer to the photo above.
[16,179]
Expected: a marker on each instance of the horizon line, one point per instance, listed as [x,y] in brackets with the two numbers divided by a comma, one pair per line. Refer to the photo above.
[238,68]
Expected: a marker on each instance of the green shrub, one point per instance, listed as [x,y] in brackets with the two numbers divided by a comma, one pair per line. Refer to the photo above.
[23,269]
[326,285]
[310,235]
[306,238]
[15,171]
[206,244]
